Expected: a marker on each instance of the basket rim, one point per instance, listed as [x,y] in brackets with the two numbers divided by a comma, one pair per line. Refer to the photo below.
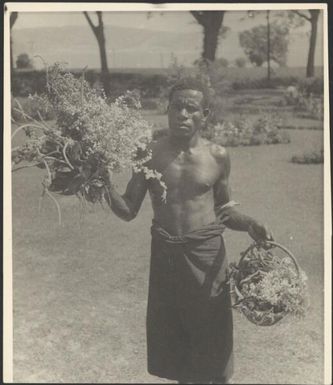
[272,244]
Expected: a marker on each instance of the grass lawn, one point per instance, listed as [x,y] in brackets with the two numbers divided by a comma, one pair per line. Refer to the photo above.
[80,290]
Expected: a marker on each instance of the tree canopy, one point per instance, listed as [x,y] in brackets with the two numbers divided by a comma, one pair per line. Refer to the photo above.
[254,43]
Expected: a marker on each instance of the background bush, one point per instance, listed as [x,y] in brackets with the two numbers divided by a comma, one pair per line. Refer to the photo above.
[243,132]
[30,82]
[314,85]
[23,61]
[311,157]
[260,83]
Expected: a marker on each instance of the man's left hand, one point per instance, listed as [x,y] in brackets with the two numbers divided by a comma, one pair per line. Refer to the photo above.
[259,232]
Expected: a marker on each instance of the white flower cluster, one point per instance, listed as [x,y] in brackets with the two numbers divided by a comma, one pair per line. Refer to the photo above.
[268,286]
[111,133]
[91,139]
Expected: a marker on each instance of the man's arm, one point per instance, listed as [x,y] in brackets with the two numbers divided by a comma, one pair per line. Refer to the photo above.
[126,206]
[232,218]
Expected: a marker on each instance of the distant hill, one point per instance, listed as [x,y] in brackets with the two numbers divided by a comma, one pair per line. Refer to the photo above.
[126,47]
[133,47]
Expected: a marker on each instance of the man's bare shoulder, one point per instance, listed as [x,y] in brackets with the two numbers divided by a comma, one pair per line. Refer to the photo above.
[219,153]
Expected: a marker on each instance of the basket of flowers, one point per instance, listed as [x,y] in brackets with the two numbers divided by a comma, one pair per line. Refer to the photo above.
[268,284]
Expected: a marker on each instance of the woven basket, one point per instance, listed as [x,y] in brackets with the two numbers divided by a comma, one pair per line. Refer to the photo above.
[269,316]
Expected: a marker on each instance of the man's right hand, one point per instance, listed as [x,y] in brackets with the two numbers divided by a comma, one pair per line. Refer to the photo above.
[107,177]
[259,232]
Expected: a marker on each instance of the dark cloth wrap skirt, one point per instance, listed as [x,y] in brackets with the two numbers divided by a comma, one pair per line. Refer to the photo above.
[189,316]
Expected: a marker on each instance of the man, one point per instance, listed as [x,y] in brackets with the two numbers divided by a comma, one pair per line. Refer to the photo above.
[189,318]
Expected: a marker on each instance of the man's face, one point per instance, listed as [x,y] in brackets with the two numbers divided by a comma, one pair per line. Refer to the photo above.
[185,113]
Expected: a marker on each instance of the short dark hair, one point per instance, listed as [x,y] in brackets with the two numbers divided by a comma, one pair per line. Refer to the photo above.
[192,83]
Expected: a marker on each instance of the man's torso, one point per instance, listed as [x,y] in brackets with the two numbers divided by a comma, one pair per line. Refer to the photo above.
[190,177]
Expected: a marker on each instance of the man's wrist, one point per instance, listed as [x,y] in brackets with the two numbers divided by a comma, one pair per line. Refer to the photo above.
[250,223]
[108,182]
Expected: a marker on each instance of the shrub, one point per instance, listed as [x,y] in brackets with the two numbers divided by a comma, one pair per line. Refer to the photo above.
[243,132]
[306,96]
[26,82]
[310,157]
[23,61]
[261,83]
[214,72]
[314,85]
[310,106]
[150,104]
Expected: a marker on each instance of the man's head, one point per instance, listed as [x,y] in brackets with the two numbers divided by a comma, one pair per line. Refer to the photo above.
[188,107]
[191,83]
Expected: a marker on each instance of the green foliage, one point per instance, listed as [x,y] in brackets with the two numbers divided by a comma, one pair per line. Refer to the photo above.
[310,157]
[254,43]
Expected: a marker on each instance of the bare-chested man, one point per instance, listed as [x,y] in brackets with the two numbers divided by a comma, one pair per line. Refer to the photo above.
[189,318]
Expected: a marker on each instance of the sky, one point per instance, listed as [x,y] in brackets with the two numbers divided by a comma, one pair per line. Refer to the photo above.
[168,21]
[180,21]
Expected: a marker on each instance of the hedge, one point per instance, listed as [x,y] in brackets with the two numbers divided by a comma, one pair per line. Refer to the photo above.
[25,83]
[313,85]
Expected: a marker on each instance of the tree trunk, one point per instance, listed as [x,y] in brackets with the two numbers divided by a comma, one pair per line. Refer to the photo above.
[211,21]
[104,64]
[268,48]
[11,55]
[312,46]
[12,19]
[210,43]
[99,34]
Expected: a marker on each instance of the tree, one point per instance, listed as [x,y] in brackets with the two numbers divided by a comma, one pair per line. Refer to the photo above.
[255,43]
[12,19]
[99,34]
[23,61]
[310,16]
[211,21]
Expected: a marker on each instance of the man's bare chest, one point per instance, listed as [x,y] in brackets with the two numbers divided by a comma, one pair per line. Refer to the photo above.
[188,172]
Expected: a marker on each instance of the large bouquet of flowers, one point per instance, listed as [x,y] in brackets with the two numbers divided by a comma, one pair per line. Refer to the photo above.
[267,286]
[90,137]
